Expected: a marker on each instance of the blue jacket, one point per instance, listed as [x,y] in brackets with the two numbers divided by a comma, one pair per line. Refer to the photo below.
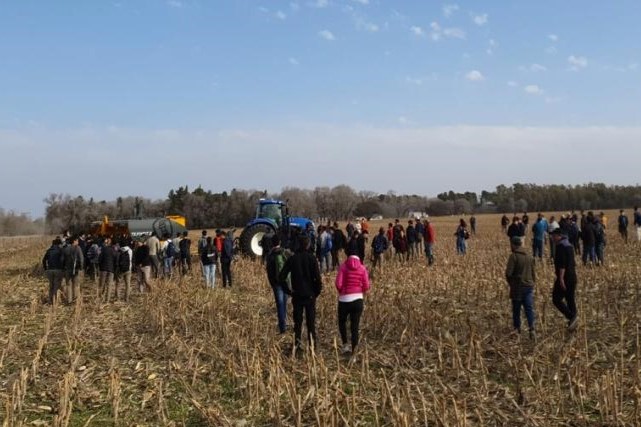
[540,229]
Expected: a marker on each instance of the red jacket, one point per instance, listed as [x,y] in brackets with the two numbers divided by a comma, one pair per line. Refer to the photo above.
[430,234]
[352,277]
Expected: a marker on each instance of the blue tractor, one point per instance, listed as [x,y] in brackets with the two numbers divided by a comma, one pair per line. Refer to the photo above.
[272,216]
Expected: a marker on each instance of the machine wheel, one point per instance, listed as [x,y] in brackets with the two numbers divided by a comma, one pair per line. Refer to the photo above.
[251,237]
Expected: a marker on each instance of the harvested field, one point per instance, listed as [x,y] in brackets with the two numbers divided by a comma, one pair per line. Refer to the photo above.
[436,348]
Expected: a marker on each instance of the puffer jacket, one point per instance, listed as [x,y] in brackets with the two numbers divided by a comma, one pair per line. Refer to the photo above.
[352,277]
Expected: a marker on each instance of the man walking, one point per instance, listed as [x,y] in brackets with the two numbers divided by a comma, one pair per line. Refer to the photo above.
[53,264]
[153,243]
[539,231]
[521,277]
[274,264]
[74,264]
[566,280]
[430,239]
[226,258]
[125,263]
[107,267]
[379,246]
[306,287]
[623,226]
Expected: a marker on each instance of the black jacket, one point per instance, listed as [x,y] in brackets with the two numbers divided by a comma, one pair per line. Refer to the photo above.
[107,259]
[305,275]
[141,256]
[54,258]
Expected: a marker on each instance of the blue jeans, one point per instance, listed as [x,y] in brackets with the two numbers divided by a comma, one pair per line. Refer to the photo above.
[460,245]
[600,252]
[537,248]
[589,254]
[325,262]
[209,271]
[281,307]
[429,253]
[169,262]
[525,299]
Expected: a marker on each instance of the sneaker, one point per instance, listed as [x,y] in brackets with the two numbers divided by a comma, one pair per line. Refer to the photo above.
[345,349]
[572,324]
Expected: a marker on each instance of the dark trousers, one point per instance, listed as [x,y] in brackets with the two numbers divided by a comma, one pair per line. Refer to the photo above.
[537,248]
[334,253]
[352,310]
[308,305]
[567,307]
[55,281]
[226,270]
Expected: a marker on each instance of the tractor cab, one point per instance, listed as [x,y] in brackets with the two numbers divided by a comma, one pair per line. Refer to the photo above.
[272,210]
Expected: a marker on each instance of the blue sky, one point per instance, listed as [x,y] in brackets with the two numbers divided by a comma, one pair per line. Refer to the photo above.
[335,85]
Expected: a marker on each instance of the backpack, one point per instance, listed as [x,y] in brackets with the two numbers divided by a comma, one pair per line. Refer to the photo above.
[93,253]
[380,244]
[123,261]
[170,251]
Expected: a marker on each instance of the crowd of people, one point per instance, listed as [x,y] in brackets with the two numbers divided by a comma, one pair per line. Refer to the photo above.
[296,269]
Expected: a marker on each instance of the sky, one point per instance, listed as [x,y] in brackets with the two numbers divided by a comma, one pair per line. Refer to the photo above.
[115,98]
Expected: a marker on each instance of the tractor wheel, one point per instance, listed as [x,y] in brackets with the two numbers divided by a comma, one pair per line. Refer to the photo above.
[251,237]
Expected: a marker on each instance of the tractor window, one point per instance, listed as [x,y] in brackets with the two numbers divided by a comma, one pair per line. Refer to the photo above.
[271,211]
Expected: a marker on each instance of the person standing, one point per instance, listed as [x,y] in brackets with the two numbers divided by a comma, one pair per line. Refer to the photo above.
[599,240]
[153,243]
[420,236]
[143,263]
[352,282]
[412,239]
[521,278]
[338,244]
[274,264]
[563,293]
[525,220]
[622,221]
[226,258]
[473,224]
[505,221]
[430,240]
[324,249]
[461,236]
[125,264]
[53,263]
[588,235]
[551,227]
[379,247]
[169,253]
[637,222]
[209,259]
[515,229]
[307,285]
[107,267]
[185,253]
[73,265]
[539,231]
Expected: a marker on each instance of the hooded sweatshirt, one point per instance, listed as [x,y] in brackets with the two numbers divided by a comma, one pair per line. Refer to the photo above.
[352,280]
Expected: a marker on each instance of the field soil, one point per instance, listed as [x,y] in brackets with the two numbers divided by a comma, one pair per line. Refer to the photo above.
[437,347]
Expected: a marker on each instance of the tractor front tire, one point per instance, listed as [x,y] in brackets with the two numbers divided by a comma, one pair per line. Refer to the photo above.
[250,239]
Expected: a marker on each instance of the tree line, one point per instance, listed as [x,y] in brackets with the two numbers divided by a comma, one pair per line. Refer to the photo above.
[206,209]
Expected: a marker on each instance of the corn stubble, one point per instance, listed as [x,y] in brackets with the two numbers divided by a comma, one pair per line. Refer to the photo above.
[436,349]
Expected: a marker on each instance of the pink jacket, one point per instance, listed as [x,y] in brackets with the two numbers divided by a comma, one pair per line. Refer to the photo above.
[352,277]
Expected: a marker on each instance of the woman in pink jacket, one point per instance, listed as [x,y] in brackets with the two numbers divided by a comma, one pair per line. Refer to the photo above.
[352,282]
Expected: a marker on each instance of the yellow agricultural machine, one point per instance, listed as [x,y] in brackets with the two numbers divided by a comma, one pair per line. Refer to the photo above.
[136,228]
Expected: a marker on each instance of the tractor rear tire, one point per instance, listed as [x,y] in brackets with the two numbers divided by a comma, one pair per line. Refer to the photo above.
[250,239]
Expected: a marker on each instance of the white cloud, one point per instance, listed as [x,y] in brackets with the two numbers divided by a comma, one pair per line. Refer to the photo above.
[537,67]
[418,31]
[174,3]
[577,62]
[533,90]
[327,35]
[293,61]
[361,24]
[475,76]
[320,4]
[481,19]
[553,37]
[361,1]
[512,83]
[449,9]
[280,15]
[437,32]
[454,33]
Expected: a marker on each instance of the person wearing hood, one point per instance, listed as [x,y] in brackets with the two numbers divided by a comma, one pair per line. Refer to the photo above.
[521,277]
[53,263]
[352,282]
[74,264]
[274,263]
[226,258]
[307,285]
[566,280]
